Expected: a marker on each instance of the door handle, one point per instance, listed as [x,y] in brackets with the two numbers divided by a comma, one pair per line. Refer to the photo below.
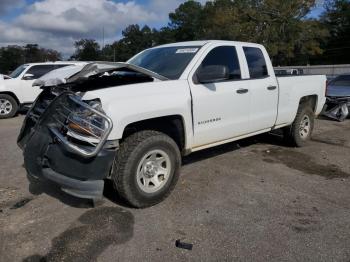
[242,91]
[271,87]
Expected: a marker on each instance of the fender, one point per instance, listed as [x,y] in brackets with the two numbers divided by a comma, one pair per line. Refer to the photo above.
[133,103]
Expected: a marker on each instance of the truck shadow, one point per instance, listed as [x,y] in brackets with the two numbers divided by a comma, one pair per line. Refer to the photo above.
[112,195]
[92,233]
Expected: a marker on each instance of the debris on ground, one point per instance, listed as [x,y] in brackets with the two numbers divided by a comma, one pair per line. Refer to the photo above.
[183,245]
[21,203]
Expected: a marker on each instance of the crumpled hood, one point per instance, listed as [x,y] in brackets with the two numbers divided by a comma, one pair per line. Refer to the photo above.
[142,91]
[100,67]
[58,76]
[98,75]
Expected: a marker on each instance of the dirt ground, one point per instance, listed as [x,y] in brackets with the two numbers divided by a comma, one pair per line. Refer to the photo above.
[255,200]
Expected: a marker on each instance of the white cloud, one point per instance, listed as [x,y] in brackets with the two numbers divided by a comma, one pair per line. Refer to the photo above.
[81,17]
[58,23]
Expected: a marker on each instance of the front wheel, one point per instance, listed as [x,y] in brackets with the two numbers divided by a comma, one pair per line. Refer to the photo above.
[300,131]
[146,168]
[8,106]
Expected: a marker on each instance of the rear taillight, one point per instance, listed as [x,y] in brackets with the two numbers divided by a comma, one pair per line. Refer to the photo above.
[326,88]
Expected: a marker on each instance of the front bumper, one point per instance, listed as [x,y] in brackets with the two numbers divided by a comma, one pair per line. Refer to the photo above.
[46,157]
[92,189]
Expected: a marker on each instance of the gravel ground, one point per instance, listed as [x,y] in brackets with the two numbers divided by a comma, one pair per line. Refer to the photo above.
[255,200]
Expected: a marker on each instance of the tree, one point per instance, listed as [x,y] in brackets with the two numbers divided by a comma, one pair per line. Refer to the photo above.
[86,50]
[50,55]
[12,56]
[286,32]
[134,40]
[186,21]
[164,36]
[228,20]
[281,26]
[337,20]
[32,53]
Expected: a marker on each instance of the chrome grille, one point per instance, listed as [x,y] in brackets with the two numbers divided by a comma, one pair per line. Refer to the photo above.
[87,137]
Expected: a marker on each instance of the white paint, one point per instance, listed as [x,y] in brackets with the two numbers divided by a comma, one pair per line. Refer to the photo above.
[235,115]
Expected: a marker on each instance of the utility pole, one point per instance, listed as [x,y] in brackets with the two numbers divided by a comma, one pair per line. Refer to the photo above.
[103,37]
[103,42]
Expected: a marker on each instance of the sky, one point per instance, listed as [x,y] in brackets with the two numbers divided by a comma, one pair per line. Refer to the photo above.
[57,24]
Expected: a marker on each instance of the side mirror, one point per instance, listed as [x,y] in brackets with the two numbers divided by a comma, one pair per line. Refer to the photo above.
[213,73]
[28,77]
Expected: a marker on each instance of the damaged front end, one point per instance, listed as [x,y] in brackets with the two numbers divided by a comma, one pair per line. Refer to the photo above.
[64,138]
[337,108]
[66,142]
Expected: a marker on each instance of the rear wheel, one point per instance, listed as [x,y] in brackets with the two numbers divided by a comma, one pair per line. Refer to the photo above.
[300,131]
[8,106]
[146,168]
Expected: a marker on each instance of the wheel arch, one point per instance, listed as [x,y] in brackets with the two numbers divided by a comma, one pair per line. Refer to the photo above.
[12,95]
[171,125]
[309,100]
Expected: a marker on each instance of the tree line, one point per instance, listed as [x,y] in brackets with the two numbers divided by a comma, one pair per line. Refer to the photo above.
[13,55]
[283,27]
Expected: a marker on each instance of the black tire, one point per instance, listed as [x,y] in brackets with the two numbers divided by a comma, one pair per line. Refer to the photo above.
[132,151]
[292,134]
[14,106]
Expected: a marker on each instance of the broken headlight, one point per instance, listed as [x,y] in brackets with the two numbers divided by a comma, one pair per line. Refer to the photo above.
[85,122]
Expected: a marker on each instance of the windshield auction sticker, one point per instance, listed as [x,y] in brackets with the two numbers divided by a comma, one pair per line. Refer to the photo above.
[186,50]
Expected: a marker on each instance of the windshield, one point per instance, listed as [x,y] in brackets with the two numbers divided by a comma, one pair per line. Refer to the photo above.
[18,71]
[341,81]
[166,61]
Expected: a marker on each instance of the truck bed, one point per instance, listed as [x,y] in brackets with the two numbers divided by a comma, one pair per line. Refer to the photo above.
[292,88]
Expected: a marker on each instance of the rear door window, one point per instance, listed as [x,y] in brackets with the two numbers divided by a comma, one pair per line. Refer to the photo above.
[256,62]
[39,70]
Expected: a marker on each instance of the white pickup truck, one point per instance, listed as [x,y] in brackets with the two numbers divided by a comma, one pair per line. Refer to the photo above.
[132,122]
[16,90]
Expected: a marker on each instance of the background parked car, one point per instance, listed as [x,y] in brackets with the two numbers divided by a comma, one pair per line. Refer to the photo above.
[17,90]
[338,98]
[339,86]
